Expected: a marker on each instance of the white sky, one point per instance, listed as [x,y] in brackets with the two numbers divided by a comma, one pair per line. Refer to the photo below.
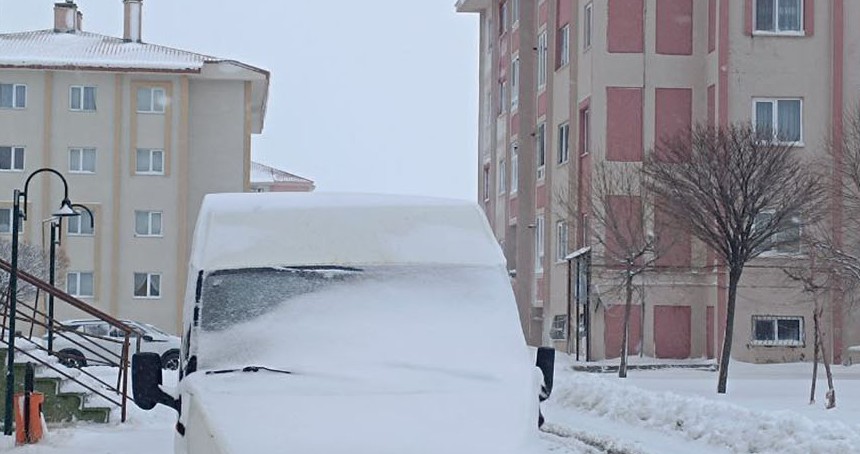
[367,96]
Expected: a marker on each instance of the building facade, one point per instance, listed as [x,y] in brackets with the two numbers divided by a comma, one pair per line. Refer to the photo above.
[141,133]
[568,85]
[269,179]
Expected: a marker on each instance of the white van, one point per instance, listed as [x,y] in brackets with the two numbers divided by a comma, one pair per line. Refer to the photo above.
[323,323]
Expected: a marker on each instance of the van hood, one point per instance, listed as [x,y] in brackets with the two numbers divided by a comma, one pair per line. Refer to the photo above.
[312,413]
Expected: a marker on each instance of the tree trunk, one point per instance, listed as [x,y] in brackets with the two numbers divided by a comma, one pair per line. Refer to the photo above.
[628,288]
[815,354]
[830,399]
[726,354]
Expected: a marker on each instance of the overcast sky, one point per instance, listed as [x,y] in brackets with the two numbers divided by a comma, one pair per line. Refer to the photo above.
[368,96]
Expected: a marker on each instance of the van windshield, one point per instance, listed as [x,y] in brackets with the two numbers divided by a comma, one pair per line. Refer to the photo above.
[332,319]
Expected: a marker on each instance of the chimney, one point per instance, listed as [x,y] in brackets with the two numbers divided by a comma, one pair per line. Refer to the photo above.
[65,17]
[132,19]
[79,21]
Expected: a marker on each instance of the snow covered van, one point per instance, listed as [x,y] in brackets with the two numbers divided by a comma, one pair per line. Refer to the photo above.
[322,323]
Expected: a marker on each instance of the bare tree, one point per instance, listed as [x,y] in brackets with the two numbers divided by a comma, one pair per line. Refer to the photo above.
[33,260]
[735,190]
[620,211]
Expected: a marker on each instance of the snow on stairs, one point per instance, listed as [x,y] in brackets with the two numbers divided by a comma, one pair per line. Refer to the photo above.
[60,406]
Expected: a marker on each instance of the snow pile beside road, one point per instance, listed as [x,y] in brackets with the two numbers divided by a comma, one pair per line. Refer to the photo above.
[717,423]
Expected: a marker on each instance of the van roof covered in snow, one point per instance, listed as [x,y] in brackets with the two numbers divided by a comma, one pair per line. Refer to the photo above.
[306,229]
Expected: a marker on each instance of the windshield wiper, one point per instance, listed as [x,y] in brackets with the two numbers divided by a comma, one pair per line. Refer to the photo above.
[248,369]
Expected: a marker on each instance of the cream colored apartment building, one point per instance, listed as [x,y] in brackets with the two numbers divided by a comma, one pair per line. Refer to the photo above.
[141,132]
[568,84]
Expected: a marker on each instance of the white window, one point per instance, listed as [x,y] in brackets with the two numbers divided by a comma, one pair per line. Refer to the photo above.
[587,26]
[787,240]
[515,83]
[81,225]
[5,220]
[147,285]
[82,98]
[563,142]
[13,96]
[558,329]
[584,131]
[560,241]
[779,120]
[502,177]
[503,18]
[563,48]
[515,169]
[150,100]
[486,189]
[79,284]
[147,223]
[82,160]
[12,158]
[540,149]
[777,330]
[779,16]
[515,11]
[539,243]
[150,162]
[503,90]
[542,49]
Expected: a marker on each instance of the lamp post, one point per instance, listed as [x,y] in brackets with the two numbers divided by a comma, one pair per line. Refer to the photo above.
[18,215]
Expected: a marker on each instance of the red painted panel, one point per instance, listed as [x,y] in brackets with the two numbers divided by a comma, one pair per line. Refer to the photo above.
[675,27]
[709,331]
[672,331]
[673,112]
[675,245]
[748,17]
[809,17]
[626,25]
[515,123]
[540,289]
[542,104]
[513,210]
[515,41]
[623,124]
[626,211]
[540,195]
[543,13]
[563,12]
[723,57]
[614,330]
[712,25]
[712,105]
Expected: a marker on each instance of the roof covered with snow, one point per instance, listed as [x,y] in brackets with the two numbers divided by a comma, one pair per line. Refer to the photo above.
[261,173]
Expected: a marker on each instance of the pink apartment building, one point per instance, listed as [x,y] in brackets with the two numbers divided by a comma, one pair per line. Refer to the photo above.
[566,84]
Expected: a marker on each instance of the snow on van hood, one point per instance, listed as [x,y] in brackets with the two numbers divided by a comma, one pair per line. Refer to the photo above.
[253,230]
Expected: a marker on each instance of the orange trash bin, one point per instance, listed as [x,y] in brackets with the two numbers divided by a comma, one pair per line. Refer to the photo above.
[30,432]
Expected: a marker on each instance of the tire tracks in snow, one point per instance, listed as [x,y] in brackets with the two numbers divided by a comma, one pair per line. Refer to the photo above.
[585,442]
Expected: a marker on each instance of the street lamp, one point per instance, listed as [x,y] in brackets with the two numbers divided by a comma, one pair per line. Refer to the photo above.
[18,215]
[56,239]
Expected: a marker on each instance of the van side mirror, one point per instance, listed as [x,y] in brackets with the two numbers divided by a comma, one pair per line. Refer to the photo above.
[147,338]
[146,382]
[546,363]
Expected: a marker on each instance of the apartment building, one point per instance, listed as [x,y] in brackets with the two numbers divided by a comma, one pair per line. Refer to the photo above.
[566,85]
[141,133]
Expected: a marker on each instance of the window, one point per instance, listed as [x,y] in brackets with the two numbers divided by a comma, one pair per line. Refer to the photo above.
[777,330]
[81,225]
[82,160]
[563,142]
[515,11]
[5,220]
[503,18]
[13,96]
[486,183]
[150,162]
[515,169]
[12,158]
[515,83]
[540,149]
[563,47]
[503,89]
[786,240]
[150,100]
[587,26]
[502,177]
[584,131]
[79,284]
[82,99]
[560,241]
[558,329]
[779,120]
[147,285]
[779,16]
[541,59]
[147,223]
[539,243]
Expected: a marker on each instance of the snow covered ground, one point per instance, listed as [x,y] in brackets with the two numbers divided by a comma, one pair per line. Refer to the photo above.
[657,412]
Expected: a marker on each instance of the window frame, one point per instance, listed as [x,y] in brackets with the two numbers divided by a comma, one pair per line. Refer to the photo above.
[501,171]
[563,155]
[7,210]
[503,101]
[15,105]
[770,250]
[558,327]
[151,152]
[562,239]
[81,151]
[801,31]
[486,183]
[540,150]
[13,161]
[587,26]
[82,97]
[540,243]
[78,274]
[149,214]
[777,342]
[148,283]
[82,225]
[515,168]
[515,83]
[514,13]
[152,104]
[563,48]
[542,56]
[774,102]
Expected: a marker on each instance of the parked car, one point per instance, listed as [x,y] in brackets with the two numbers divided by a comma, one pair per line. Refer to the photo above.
[94,342]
